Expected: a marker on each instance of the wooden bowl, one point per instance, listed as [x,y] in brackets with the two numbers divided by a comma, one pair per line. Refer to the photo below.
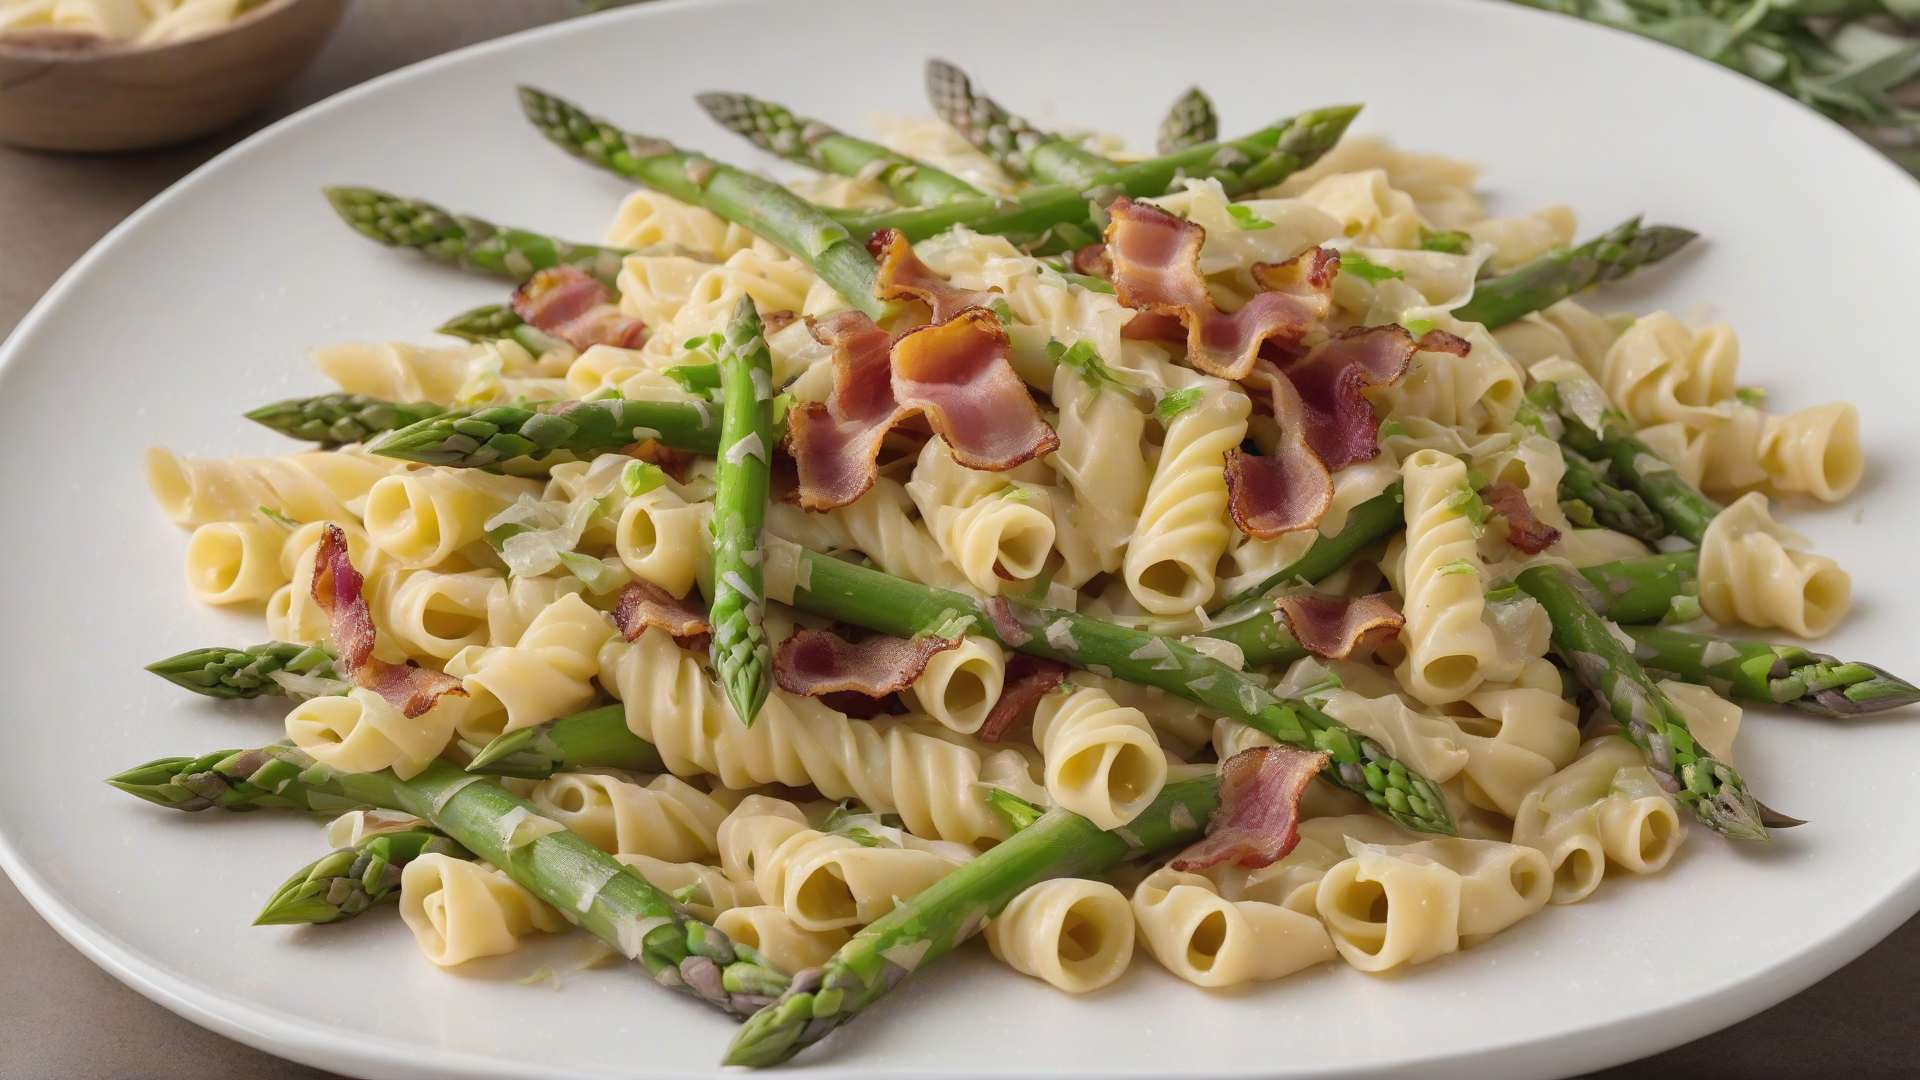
[67,92]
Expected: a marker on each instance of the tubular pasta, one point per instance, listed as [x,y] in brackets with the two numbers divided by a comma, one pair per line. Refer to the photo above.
[1207,940]
[1074,934]
[460,911]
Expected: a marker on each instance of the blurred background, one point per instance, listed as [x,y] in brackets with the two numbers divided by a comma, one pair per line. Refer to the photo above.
[61,1017]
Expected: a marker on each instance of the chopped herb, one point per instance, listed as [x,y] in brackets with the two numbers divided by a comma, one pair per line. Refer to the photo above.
[1081,357]
[1017,812]
[1755,396]
[1352,262]
[277,518]
[1458,566]
[998,305]
[1173,404]
[704,342]
[1391,428]
[1503,594]
[1016,493]
[1244,217]
[1451,243]
[1419,328]
[639,477]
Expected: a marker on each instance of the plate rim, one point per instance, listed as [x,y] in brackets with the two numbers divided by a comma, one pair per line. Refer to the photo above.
[1584,1044]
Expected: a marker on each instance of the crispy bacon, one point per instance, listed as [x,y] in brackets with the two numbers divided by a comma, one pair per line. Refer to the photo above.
[572,305]
[1289,491]
[1028,679]
[1005,624]
[1437,340]
[1334,626]
[1093,262]
[1524,530]
[337,589]
[834,444]
[1258,819]
[814,663]
[775,321]
[643,604]
[1156,268]
[959,373]
[904,277]
[1340,425]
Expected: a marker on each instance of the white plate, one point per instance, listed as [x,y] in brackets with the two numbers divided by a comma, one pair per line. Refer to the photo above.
[201,305]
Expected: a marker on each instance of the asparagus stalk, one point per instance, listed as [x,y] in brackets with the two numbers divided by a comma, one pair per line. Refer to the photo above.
[1061,211]
[753,202]
[464,241]
[336,419]
[489,435]
[613,902]
[1685,511]
[1190,122]
[1590,485]
[1059,844]
[1708,787]
[868,598]
[1024,151]
[1773,674]
[775,129]
[742,657]
[597,738]
[346,882]
[1562,272]
[249,672]
[498,322]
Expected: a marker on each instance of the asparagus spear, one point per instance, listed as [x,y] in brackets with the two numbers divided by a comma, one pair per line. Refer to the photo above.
[346,882]
[1190,122]
[498,322]
[613,902]
[1562,272]
[1061,211]
[1025,152]
[1704,785]
[868,598]
[1774,674]
[776,130]
[1059,844]
[489,435]
[249,672]
[597,738]
[741,656]
[1590,485]
[1686,511]
[335,419]
[753,202]
[467,241]
[1652,588]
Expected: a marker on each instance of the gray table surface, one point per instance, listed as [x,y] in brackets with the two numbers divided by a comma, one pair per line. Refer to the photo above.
[61,1018]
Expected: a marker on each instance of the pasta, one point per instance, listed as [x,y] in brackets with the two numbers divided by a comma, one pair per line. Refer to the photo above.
[826,882]
[1169,565]
[304,487]
[984,525]
[1101,459]
[362,732]
[460,911]
[1605,806]
[879,526]
[665,819]
[463,374]
[704,890]
[430,614]
[546,675]
[960,686]
[1756,572]
[1209,941]
[767,929]
[234,562]
[1103,762]
[1448,646]
[422,517]
[1074,934]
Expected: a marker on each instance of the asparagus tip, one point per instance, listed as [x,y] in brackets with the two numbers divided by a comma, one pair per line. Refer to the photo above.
[1774,819]
[505,746]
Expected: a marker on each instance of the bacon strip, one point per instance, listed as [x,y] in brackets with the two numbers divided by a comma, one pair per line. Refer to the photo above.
[835,444]
[960,374]
[1156,268]
[1258,819]
[1334,626]
[1005,624]
[813,663]
[572,305]
[652,451]
[1340,425]
[643,604]
[1292,489]
[904,277]
[1093,262]
[1524,530]
[337,589]
[1028,679]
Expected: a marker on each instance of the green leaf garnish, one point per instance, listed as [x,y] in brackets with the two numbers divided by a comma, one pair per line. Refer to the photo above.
[1017,812]
[1352,262]
[639,477]
[1244,217]
[1391,428]
[998,305]
[1755,396]
[1503,594]
[1458,566]
[1419,328]
[277,517]
[1172,405]
[1451,243]
[1081,357]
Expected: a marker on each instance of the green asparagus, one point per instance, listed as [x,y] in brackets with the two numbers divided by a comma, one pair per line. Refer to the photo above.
[498,322]
[1708,787]
[1025,152]
[467,241]
[750,201]
[1772,674]
[595,739]
[489,435]
[1053,217]
[304,671]
[346,882]
[1562,272]
[336,419]
[776,130]
[611,901]
[742,658]
[1680,504]
[1652,588]
[1590,485]
[1190,122]
[907,939]
[868,598]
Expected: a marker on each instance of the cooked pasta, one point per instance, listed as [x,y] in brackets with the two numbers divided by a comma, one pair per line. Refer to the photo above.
[666,819]
[363,732]
[423,516]
[460,911]
[1102,759]
[1605,806]
[1448,646]
[234,562]
[983,524]
[1209,941]
[1183,531]
[304,487]
[1757,572]
[1074,934]
[767,929]
[546,674]
[961,685]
